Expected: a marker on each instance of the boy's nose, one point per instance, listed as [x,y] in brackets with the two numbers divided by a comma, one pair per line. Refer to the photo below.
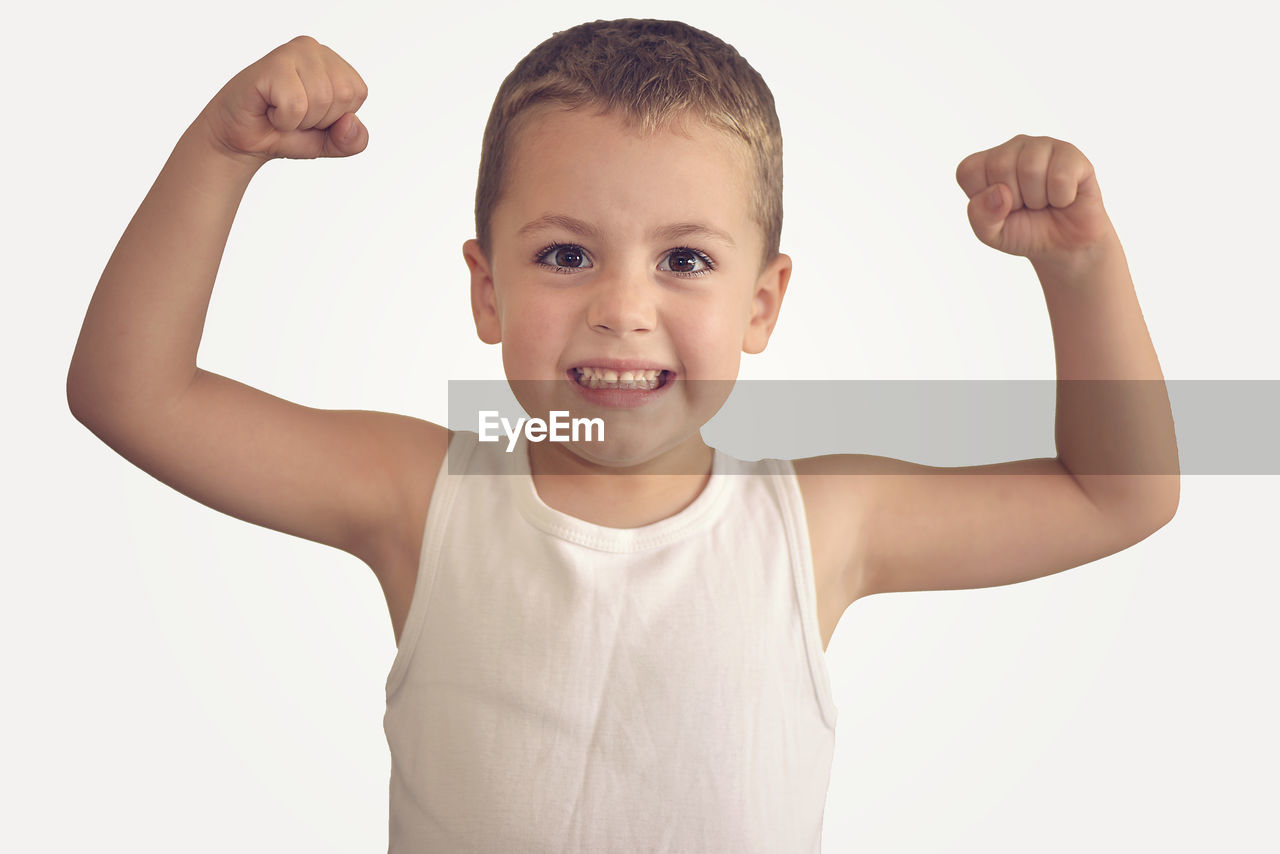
[622,305]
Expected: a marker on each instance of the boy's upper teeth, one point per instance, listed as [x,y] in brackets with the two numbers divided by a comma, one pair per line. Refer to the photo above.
[611,376]
[593,377]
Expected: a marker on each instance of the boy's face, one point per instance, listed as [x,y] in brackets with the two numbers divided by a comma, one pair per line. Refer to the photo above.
[611,246]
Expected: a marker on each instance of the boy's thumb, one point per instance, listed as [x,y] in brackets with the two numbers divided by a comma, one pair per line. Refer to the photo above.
[346,138]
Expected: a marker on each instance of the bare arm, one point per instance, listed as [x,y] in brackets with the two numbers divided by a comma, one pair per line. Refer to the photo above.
[336,477]
[1116,477]
[1115,429]
[137,347]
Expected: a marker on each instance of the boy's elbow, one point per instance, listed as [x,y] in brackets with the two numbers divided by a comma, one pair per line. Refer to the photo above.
[1142,509]
[72,400]
[80,399]
[1171,492]
[1164,506]
[1135,522]
[1172,508]
[76,396]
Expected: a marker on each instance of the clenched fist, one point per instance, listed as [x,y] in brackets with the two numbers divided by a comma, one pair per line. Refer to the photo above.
[297,102]
[1034,196]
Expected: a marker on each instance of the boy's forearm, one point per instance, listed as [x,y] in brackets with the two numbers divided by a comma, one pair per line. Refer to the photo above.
[137,346]
[1116,438]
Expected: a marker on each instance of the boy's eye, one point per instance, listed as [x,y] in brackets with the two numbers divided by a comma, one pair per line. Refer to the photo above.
[563,255]
[686,261]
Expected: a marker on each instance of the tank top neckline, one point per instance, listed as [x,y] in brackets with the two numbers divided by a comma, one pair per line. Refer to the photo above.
[685,523]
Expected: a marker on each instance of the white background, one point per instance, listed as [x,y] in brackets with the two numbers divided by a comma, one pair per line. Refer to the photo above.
[179,680]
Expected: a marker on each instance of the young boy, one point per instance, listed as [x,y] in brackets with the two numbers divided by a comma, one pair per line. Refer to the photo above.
[616,646]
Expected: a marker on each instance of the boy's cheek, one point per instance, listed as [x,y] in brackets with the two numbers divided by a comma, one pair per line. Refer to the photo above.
[535,317]
[534,331]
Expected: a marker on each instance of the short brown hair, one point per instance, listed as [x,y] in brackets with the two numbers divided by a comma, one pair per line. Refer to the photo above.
[652,73]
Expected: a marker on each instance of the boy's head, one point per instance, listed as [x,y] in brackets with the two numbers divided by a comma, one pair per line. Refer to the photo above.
[654,75]
[628,216]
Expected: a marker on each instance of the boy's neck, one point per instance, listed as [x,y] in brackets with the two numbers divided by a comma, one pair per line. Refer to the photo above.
[629,499]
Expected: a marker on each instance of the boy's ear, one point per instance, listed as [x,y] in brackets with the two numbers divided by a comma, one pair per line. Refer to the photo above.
[770,288]
[484,304]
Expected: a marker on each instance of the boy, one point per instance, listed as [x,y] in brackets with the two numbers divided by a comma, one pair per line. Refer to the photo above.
[616,647]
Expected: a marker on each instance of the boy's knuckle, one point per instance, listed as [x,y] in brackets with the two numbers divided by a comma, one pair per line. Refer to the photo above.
[288,92]
[344,92]
[293,104]
[320,92]
[1000,163]
[283,70]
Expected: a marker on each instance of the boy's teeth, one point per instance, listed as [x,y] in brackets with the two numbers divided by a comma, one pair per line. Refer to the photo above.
[607,378]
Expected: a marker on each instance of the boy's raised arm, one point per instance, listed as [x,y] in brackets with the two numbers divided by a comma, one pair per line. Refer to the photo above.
[1039,198]
[328,476]
[1115,480]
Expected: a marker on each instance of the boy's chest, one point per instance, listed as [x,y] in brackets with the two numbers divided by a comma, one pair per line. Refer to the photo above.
[398,572]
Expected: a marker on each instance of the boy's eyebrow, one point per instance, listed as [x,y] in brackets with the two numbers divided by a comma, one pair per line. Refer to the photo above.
[676,231]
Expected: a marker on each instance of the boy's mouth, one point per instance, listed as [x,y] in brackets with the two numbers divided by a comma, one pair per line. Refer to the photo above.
[642,380]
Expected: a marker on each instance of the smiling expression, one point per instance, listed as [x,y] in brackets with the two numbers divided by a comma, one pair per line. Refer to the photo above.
[621,251]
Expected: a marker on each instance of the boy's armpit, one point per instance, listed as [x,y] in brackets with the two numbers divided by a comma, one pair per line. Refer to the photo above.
[900,526]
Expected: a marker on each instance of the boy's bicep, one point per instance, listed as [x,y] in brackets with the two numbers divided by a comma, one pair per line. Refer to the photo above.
[345,478]
[928,528]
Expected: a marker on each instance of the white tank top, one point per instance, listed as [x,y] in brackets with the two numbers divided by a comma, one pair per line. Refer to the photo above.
[566,687]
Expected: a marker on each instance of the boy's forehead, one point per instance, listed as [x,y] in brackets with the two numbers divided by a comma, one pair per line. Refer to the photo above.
[603,160]
[551,121]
